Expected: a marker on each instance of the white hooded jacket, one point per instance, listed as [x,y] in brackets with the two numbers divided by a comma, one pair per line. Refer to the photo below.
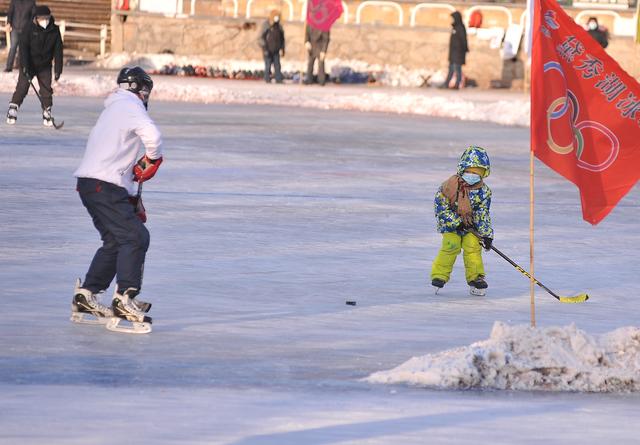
[115,142]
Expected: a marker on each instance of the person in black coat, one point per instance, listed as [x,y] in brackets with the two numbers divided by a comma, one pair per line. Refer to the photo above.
[458,50]
[599,33]
[40,45]
[18,18]
[272,43]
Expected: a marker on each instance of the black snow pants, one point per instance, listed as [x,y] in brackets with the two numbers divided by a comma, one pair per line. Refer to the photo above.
[44,82]
[125,239]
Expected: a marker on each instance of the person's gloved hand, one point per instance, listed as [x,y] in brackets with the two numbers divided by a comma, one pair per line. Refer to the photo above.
[146,168]
[486,242]
[57,77]
[308,46]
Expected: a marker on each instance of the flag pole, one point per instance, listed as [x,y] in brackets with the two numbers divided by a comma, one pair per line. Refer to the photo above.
[529,50]
[532,282]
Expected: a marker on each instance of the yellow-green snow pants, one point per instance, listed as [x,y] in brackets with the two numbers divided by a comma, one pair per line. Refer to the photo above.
[451,245]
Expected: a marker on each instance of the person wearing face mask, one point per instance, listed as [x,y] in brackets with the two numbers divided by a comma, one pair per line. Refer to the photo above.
[462,204]
[40,45]
[18,18]
[271,41]
[111,166]
[599,33]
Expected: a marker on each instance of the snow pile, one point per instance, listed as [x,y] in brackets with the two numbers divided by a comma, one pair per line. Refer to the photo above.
[388,75]
[473,107]
[524,358]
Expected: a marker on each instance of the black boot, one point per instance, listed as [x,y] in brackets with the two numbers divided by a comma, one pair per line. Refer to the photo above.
[478,283]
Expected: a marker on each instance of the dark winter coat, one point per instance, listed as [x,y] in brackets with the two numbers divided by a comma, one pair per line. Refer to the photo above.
[20,13]
[600,35]
[39,47]
[272,38]
[458,47]
[319,40]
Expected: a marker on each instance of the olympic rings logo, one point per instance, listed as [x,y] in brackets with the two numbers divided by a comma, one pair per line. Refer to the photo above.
[558,109]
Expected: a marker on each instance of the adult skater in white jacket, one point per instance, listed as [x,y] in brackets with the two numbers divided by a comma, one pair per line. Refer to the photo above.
[106,184]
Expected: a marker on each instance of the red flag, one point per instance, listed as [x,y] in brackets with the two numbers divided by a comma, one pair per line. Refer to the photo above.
[321,14]
[585,112]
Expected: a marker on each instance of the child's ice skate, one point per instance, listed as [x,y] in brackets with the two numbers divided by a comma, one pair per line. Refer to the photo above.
[478,286]
[128,314]
[437,284]
[86,309]
[12,114]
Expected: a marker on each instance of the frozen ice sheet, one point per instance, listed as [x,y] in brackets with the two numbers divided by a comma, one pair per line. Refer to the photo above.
[264,221]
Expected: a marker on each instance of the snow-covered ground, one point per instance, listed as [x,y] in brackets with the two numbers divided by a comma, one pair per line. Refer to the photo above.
[503,107]
[264,220]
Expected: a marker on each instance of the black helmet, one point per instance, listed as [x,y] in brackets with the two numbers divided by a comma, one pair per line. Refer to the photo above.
[138,82]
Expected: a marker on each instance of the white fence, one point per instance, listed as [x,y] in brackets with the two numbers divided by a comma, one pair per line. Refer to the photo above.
[622,26]
[85,32]
[80,31]
[3,24]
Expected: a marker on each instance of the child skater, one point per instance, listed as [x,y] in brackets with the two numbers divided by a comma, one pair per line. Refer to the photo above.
[461,207]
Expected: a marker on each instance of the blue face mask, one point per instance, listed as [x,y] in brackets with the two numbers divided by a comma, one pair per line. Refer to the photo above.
[471,178]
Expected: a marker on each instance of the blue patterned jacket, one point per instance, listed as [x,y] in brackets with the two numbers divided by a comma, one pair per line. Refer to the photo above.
[447,219]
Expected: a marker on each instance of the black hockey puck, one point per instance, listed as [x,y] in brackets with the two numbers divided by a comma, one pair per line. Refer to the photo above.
[351,303]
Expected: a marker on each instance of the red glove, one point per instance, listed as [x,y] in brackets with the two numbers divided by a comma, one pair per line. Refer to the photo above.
[146,168]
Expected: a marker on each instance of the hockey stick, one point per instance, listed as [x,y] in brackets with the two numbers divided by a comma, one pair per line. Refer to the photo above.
[580,298]
[53,121]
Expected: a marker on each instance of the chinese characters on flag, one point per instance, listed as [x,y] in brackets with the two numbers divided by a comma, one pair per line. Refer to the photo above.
[585,112]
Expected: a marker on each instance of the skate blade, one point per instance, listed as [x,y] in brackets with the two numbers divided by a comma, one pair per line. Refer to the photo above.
[84,318]
[477,292]
[436,289]
[116,324]
[581,298]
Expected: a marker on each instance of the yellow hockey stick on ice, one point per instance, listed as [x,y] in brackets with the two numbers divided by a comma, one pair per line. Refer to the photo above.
[580,298]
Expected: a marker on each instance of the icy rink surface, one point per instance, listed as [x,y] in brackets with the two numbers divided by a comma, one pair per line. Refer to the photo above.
[263,222]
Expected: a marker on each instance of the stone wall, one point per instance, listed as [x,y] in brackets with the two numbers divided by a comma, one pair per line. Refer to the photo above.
[226,38]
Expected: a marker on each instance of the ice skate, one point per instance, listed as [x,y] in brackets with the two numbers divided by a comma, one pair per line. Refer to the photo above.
[46,117]
[128,315]
[12,114]
[437,284]
[86,309]
[478,286]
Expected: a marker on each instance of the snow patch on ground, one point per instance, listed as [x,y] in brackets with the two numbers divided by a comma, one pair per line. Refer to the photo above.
[523,358]
[486,107]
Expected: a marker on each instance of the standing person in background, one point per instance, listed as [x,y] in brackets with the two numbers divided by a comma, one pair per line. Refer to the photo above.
[458,50]
[316,43]
[18,19]
[599,33]
[40,44]
[272,43]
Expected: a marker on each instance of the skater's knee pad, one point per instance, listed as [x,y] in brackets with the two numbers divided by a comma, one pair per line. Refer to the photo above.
[451,243]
